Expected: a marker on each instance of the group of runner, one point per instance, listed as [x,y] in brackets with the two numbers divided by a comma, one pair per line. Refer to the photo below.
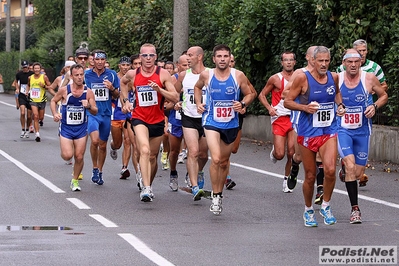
[317,114]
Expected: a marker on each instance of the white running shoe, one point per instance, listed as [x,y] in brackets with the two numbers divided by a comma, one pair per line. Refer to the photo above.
[27,134]
[285,187]
[22,134]
[216,206]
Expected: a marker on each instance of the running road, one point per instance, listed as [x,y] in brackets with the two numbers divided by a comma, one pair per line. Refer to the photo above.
[109,225]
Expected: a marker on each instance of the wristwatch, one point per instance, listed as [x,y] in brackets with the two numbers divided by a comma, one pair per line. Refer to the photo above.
[243,105]
[125,100]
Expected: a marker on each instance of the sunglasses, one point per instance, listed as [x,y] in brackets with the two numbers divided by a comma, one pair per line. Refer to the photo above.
[148,55]
[83,58]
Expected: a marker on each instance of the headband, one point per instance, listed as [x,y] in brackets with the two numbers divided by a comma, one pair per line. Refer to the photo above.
[351,55]
[100,55]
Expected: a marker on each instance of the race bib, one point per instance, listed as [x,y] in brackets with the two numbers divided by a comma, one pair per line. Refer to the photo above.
[324,116]
[22,88]
[147,96]
[75,115]
[190,94]
[223,111]
[34,93]
[101,93]
[353,117]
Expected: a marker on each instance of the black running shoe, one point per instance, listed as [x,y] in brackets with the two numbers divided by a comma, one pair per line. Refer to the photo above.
[291,181]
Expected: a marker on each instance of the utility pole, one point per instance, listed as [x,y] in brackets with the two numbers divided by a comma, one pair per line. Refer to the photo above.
[68,29]
[180,27]
[22,28]
[89,18]
[8,27]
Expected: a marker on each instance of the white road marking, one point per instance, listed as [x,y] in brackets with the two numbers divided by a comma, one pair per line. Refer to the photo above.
[78,203]
[145,250]
[371,199]
[38,177]
[104,221]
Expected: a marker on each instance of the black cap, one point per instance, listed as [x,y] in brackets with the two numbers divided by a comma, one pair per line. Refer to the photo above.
[81,51]
[24,63]
[125,60]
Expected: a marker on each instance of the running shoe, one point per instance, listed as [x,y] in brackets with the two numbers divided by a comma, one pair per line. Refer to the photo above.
[180,158]
[125,173]
[22,134]
[197,193]
[173,183]
[229,183]
[146,194]
[37,139]
[329,218]
[139,180]
[68,162]
[319,197]
[113,154]
[285,187]
[95,175]
[292,178]
[274,160]
[165,166]
[363,180]
[31,129]
[27,134]
[41,123]
[341,172]
[201,180]
[310,218]
[216,206]
[356,216]
[75,185]
[100,179]
[188,181]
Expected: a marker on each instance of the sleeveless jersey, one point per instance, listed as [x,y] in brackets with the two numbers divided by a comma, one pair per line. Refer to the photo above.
[149,103]
[356,101]
[323,121]
[277,102]
[294,113]
[219,111]
[37,94]
[101,92]
[72,111]
[189,106]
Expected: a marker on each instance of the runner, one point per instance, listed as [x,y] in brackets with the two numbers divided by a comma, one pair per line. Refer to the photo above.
[317,91]
[105,84]
[75,100]
[283,134]
[25,110]
[354,129]
[175,129]
[193,131]
[152,85]
[36,89]
[220,118]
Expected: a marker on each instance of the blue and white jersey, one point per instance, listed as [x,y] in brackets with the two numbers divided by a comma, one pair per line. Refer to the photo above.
[220,95]
[356,101]
[72,111]
[102,94]
[323,121]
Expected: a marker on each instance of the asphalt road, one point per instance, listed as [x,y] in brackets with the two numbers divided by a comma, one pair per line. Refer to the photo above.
[43,223]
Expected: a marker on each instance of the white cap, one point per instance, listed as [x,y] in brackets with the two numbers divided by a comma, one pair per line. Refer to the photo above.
[69,63]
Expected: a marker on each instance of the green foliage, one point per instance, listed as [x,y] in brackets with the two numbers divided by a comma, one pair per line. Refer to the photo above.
[124,26]
[50,16]
[8,68]
[30,35]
